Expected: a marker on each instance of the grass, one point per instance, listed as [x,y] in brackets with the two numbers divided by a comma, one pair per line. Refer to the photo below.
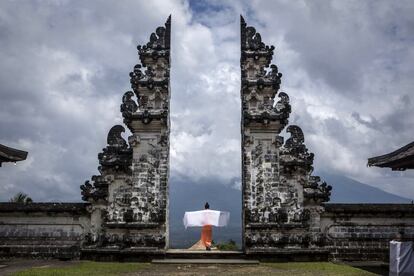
[85,268]
[227,246]
[109,269]
[318,268]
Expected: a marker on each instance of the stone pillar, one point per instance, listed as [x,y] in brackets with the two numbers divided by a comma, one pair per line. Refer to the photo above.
[129,199]
[281,200]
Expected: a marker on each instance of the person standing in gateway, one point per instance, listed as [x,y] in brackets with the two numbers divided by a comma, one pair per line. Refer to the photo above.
[207,232]
[206,235]
[206,219]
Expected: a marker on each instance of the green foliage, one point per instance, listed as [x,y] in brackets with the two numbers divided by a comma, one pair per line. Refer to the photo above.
[227,246]
[85,268]
[318,268]
[21,198]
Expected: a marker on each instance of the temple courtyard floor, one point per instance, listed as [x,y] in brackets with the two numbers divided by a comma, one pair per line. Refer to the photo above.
[53,267]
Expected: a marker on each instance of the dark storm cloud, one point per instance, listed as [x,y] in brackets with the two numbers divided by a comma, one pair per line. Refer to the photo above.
[397,122]
[371,122]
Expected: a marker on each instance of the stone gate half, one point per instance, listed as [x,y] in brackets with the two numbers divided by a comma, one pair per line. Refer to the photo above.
[282,201]
[129,199]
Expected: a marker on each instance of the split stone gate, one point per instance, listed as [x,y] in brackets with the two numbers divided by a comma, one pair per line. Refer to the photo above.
[281,199]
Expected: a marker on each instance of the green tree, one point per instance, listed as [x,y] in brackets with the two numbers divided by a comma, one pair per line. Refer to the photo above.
[21,198]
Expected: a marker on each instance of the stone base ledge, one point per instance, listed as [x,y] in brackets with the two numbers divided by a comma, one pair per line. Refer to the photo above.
[271,225]
[287,254]
[132,225]
[63,252]
[127,254]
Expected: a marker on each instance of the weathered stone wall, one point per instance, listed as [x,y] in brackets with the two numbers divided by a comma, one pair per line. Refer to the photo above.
[353,232]
[356,232]
[54,230]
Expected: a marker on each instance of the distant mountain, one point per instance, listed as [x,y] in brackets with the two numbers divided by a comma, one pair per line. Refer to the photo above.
[347,190]
[185,195]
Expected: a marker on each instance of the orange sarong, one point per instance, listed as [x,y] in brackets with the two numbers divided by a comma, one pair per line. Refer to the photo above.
[206,235]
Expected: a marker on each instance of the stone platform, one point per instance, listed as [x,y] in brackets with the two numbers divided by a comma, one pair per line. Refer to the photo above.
[143,254]
[206,261]
[288,255]
[202,254]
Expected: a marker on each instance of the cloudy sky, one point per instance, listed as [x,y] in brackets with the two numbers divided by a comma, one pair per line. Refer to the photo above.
[347,66]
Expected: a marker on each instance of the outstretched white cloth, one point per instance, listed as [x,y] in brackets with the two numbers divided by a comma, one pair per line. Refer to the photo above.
[206,217]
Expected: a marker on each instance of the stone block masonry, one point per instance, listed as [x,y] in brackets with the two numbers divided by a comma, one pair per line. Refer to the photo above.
[358,232]
[52,230]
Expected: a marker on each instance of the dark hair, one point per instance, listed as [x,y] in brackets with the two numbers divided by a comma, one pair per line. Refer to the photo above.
[206,206]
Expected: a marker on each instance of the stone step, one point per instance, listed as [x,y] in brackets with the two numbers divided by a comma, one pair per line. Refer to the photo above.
[202,254]
[206,261]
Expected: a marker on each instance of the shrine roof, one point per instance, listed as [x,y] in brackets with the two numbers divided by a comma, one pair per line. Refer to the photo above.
[398,160]
[8,154]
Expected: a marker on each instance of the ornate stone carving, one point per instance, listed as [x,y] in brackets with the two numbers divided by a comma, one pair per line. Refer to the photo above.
[97,190]
[283,106]
[157,39]
[260,83]
[128,106]
[150,81]
[295,154]
[252,40]
[160,40]
[117,155]
[316,190]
